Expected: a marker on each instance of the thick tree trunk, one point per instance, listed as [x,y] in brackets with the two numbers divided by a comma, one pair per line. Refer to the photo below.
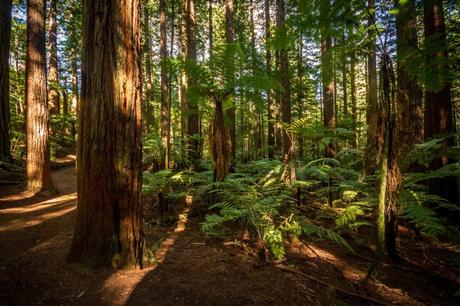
[165,121]
[268,59]
[5,33]
[38,169]
[372,155]
[53,71]
[221,146]
[327,73]
[438,101]
[409,95]
[108,229]
[287,149]
[230,39]
[183,85]
[192,105]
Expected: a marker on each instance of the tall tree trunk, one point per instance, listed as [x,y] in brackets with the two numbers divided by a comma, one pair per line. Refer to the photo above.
[108,230]
[409,95]
[74,81]
[147,108]
[353,98]
[327,73]
[192,104]
[230,39]
[372,153]
[390,178]
[165,121]
[300,92]
[38,169]
[53,71]
[287,149]
[5,33]
[258,130]
[438,101]
[183,85]
[211,29]
[344,77]
[268,59]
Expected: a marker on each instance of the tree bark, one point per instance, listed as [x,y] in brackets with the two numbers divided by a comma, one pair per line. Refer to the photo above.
[183,84]
[74,81]
[439,119]
[287,149]
[327,73]
[230,39]
[148,110]
[258,130]
[53,71]
[300,92]
[165,121]
[192,105]
[220,141]
[38,171]
[108,229]
[211,29]
[268,59]
[409,95]
[344,77]
[5,34]
[354,114]
[372,155]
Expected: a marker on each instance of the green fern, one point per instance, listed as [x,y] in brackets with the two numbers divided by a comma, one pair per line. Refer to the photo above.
[349,216]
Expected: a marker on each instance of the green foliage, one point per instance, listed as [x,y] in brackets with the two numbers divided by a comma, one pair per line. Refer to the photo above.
[349,216]
[416,211]
[151,147]
[259,198]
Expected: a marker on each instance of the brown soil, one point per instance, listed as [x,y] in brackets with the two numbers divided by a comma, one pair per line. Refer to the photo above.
[35,235]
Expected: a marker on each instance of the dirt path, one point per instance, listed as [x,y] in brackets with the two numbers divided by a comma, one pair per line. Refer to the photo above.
[35,235]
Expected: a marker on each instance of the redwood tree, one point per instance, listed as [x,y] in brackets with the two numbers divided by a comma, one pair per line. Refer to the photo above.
[268,59]
[439,119]
[370,158]
[38,169]
[5,32]
[53,85]
[230,39]
[192,104]
[409,95]
[327,74]
[165,121]
[284,81]
[108,229]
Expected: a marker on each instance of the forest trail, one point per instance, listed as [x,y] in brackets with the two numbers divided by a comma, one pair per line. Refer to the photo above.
[35,235]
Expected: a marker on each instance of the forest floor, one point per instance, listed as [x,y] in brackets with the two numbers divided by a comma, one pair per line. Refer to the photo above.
[190,268]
